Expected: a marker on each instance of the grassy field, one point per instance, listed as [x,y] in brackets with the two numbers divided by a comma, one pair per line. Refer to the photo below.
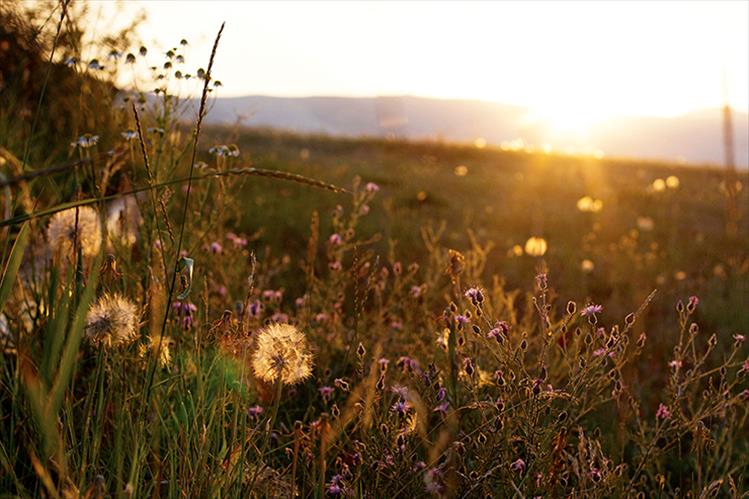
[224,312]
[502,198]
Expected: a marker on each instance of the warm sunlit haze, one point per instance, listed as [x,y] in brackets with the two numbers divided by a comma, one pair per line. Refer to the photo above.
[572,64]
[297,250]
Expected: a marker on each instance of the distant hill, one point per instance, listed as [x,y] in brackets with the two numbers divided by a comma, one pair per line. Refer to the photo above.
[695,137]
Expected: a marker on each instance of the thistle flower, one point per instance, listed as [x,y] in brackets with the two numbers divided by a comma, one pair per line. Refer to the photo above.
[185,312]
[151,347]
[112,321]
[591,310]
[77,225]
[255,411]
[442,408]
[326,392]
[475,295]
[402,407]
[662,412]
[518,465]
[282,354]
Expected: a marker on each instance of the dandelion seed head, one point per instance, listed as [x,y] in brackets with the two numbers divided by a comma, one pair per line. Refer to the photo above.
[63,231]
[283,354]
[112,321]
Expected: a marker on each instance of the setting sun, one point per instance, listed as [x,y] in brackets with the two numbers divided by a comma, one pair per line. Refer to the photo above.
[571,63]
[374,249]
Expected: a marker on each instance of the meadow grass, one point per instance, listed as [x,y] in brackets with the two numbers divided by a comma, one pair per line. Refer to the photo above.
[227,312]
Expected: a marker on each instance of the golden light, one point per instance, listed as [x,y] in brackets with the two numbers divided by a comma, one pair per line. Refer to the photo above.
[536,246]
[516,250]
[672,182]
[659,185]
[587,204]
[645,224]
[461,170]
[479,143]
[587,266]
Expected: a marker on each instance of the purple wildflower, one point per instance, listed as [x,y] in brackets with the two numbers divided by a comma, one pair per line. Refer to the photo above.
[372,187]
[239,242]
[255,309]
[326,392]
[475,295]
[280,318]
[334,487]
[592,309]
[542,281]
[185,311]
[518,465]
[255,411]
[400,390]
[442,408]
[215,248]
[335,266]
[441,394]
[462,320]
[401,407]
[335,240]
[744,367]
[383,362]
[407,363]
[662,412]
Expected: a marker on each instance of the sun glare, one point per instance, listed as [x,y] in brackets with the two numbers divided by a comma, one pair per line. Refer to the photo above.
[568,119]
[573,64]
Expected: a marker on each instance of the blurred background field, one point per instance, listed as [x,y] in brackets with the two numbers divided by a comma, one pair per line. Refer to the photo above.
[615,229]
[229,310]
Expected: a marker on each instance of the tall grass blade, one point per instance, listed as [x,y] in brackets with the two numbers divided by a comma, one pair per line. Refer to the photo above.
[13,264]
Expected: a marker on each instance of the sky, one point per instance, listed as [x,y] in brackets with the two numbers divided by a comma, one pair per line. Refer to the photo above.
[569,62]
